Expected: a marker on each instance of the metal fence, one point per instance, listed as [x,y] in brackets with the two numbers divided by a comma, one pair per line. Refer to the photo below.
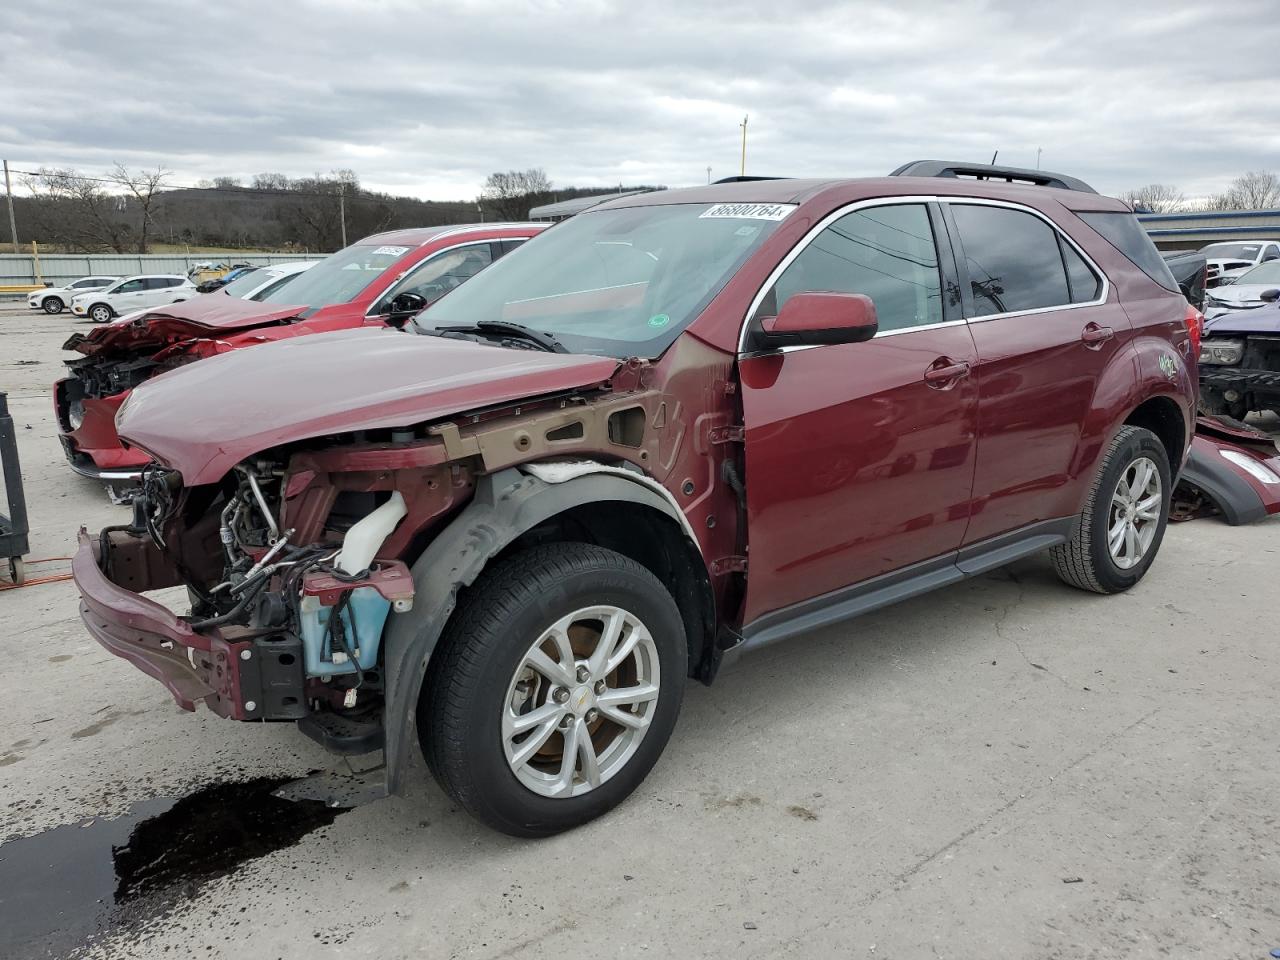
[59,268]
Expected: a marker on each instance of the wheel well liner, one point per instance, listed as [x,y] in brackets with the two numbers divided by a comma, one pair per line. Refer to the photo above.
[1162,416]
[507,505]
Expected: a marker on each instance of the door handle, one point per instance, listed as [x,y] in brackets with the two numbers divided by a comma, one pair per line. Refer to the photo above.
[1095,336]
[943,373]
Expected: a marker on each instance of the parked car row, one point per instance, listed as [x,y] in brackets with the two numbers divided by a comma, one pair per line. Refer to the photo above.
[676,427]
[379,281]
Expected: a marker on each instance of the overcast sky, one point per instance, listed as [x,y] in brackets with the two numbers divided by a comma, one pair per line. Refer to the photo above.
[428,98]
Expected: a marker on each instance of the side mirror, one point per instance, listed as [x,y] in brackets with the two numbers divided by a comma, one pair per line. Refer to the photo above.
[1269,296]
[819,318]
[407,304]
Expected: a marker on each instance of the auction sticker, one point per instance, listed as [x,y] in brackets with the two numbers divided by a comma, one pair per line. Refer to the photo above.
[747,211]
[391,251]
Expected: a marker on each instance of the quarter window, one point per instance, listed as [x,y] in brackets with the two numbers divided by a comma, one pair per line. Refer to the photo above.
[1085,285]
[1014,262]
[887,253]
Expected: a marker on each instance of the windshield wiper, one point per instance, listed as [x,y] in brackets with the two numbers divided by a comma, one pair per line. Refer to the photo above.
[499,327]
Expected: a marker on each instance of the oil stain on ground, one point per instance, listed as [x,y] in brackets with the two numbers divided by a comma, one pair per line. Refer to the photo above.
[62,888]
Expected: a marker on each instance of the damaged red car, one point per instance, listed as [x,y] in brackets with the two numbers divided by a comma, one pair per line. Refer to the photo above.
[677,427]
[380,281]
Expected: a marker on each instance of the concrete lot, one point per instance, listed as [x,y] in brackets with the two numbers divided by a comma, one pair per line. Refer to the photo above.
[927,781]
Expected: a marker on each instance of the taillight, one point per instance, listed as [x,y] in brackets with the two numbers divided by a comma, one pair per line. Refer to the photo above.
[1195,329]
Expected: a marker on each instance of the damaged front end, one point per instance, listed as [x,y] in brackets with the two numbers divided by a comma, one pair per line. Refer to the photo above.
[288,603]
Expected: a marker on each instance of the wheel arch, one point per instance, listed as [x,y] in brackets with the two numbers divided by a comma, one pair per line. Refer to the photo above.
[521,506]
[1163,417]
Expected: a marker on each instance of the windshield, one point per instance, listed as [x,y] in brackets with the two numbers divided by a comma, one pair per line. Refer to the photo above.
[1263,273]
[339,278]
[246,283]
[1231,251]
[617,283]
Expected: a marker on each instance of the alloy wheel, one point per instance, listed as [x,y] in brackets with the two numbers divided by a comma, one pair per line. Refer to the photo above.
[1134,516]
[581,701]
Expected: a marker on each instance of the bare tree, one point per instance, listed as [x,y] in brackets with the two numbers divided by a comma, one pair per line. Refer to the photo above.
[145,187]
[511,194]
[1254,190]
[1156,197]
[74,210]
[270,181]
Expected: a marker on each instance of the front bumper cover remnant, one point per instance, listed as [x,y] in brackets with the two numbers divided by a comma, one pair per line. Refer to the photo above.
[243,679]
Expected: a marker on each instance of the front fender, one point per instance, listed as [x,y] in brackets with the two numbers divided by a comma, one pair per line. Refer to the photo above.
[506,504]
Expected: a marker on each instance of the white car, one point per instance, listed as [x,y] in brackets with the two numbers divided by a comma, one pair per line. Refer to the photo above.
[133,293]
[57,299]
[1227,260]
[1247,289]
[252,286]
[257,284]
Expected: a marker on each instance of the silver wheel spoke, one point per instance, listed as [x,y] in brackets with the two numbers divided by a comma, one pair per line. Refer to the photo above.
[517,724]
[1116,537]
[533,743]
[613,625]
[568,762]
[587,753]
[627,696]
[555,672]
[1130,541]
[632,721]
[620,655]
[1149,509]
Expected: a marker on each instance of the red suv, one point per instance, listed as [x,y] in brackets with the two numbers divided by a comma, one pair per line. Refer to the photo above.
[381,280]
[674,428]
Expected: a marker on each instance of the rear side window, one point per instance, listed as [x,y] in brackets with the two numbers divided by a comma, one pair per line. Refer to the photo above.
[885,252]
[1123,232]
[1085,285]
[1013,259]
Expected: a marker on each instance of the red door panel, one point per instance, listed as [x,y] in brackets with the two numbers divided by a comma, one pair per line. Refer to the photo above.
[1037,378]
[856,465]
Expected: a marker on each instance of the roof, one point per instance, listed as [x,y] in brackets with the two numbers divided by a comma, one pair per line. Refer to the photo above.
[415,236]
[567,208]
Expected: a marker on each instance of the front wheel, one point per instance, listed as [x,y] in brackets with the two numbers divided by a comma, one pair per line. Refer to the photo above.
[51,305]
[554,689]
[1119,531]
[100,313]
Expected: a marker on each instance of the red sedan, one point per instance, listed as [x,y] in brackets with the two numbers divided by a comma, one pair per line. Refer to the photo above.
[380,281]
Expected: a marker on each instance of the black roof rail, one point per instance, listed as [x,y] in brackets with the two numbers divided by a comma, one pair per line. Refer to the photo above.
[748,179]
[986,171]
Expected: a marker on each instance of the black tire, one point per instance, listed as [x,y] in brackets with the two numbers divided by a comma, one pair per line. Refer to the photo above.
[510,605]
[99,308]
[1215,404]
[1085,561]
[51,305]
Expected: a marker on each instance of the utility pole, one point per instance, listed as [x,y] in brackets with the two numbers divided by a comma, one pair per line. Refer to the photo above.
[743,171]
[1038,151]
[708,174]
[8,192]
[342,211]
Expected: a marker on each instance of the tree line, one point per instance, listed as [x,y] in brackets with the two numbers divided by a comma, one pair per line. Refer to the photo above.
[130,211]
[1253,190]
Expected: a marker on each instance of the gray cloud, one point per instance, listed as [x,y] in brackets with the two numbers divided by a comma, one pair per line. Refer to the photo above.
[428,99]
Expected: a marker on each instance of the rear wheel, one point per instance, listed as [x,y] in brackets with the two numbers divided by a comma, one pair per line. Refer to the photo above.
[100,313]
[1119,532]
[554,689]
[51,305]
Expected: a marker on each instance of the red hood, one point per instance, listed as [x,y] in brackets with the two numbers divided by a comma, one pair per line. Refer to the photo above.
[210,315]
[204,418]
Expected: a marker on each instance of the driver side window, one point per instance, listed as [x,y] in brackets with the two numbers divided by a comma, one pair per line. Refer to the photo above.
[133,286]
[885,252]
